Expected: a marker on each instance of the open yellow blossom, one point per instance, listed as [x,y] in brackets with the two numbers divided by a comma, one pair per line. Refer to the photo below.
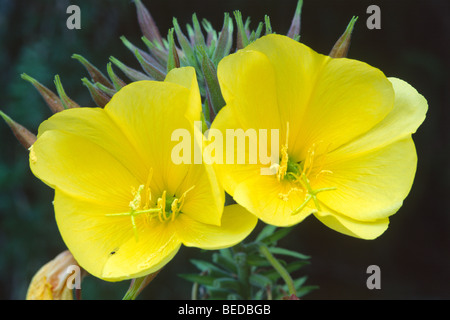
[122,206]
[345,149]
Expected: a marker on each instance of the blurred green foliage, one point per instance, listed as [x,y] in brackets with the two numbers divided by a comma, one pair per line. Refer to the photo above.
[413,44]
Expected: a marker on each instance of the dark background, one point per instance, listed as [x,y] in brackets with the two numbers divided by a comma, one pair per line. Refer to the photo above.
[413,44]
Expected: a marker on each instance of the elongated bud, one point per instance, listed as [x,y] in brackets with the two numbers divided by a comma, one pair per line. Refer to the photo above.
[256,33]
[211,34]
[100,98]
[294,30]
[25,137]
[213,92]
[108,91]
[117,82]
[147,24]
[52,100]
[199,39]
[268,24]
[66,101]
[145,56]
[96,74]
[173,60]
[151,70]
[137,285]
[225,40]
[158,52]
[340,48]
[188,50]
[131,73]
[242,38]
[54,280]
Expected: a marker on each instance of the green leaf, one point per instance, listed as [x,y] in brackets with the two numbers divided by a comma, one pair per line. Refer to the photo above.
[201,279]
[291,267]
[287,252]
[227,283]
[260,280]
[279,234]
[212,269]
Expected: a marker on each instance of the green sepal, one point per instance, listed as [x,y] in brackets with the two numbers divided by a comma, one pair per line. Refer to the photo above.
[50,98]
[65,100]
[131,73]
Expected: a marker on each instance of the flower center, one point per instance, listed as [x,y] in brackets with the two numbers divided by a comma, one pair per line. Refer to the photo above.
[167,207]
[298,173]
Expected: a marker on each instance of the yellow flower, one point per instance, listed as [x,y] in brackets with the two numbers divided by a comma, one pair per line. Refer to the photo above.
[345,149]
[122,206]
[50,282]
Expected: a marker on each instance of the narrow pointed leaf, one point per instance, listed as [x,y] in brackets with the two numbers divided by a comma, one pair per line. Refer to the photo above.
[287,252]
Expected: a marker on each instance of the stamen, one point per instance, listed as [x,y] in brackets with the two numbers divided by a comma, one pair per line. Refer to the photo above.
[148,192]
[282,168]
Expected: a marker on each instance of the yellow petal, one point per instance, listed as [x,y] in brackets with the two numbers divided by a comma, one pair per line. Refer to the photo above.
[252,95]
[312,91]
[187,78]
[81,168]
[237,223]
[106,246]
[50,282]
[407,115]
[370,185]
[360,229]
[94,125]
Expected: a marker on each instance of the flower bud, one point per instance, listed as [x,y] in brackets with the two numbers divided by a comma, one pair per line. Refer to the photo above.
[96,75]
[100,97]
[340,48]
[51,281]
[131,73]
[294,30]
[52,100]
[147,24]
[117,82]
[66,101]
[25,137]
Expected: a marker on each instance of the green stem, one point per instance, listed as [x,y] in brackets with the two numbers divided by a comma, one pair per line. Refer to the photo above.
[279,268]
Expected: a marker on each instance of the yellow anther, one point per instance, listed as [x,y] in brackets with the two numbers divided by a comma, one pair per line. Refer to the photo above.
[148,193]
[162,205]
[136,202]
[282,168]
